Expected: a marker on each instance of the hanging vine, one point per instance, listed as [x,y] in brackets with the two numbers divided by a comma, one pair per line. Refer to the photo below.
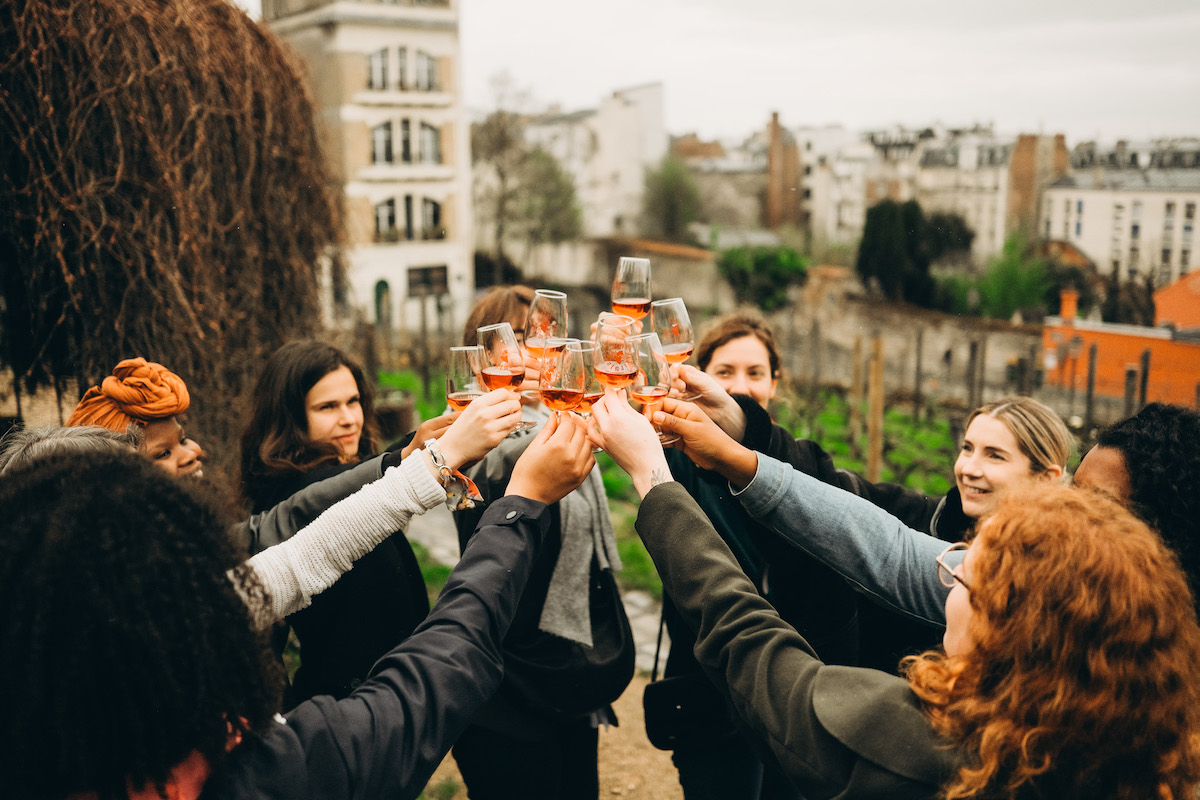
[163,194]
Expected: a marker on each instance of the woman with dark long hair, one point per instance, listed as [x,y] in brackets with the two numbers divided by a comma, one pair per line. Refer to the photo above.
[1070,665]
[312,418]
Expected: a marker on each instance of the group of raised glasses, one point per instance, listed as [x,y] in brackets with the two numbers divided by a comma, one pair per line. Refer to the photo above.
[136,625]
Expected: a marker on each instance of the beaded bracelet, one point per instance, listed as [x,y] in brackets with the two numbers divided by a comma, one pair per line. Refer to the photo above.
[461,491]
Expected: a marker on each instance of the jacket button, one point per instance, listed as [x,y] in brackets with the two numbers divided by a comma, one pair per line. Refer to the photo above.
[511,515]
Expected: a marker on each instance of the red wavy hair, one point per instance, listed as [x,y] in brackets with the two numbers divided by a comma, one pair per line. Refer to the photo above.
[1085,676]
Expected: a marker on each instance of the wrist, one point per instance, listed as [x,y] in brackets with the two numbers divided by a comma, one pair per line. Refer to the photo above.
[451,452]
[654,472]
[740,468]
[731,419]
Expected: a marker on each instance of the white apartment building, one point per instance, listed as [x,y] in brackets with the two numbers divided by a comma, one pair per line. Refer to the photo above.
[386,77]
[1135,222]
[833,184]
[607,151]
[969,176]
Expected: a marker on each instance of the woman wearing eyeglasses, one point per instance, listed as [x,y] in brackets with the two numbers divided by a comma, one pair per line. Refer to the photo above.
[1070,667]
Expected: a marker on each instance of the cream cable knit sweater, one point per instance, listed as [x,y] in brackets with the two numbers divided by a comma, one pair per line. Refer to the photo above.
[307,564]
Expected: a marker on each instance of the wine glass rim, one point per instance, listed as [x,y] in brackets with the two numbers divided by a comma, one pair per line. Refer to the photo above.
[467,347]
[642,337]
[582,344]
[554,293]
[607,315]
[494,326]
[666,300]
[632,259]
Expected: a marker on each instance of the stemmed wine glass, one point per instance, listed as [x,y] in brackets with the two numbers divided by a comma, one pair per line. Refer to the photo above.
[653,379]
[504,361]
[561,382]
[631,288]
[593,390]
[669,319]
[462,376]
[615,366]
[547,318]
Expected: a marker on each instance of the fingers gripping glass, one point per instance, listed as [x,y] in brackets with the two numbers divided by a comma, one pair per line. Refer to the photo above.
[669,319]
[946,573]
[653,378]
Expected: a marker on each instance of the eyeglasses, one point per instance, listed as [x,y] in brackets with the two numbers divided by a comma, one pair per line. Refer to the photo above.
[946,572]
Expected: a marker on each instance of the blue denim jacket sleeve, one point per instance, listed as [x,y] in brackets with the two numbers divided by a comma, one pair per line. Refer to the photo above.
[883,558]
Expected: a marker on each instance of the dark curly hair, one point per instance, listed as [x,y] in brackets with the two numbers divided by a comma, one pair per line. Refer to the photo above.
[128,643]
[1161,448]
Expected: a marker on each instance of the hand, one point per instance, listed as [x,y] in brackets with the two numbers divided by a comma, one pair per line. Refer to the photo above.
[630,439]
[533,374]
[713,400]
[554,464]
[703,441]
[429,429]
[479,427]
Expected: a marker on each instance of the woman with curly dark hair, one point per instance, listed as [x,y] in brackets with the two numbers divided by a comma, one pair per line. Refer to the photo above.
[141,673]
[1070,667]
[1150,462]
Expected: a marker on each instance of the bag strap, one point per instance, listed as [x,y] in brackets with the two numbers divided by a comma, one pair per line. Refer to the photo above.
[662,619]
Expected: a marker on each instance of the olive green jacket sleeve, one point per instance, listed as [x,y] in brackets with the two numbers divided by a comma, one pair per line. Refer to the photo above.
[837,732]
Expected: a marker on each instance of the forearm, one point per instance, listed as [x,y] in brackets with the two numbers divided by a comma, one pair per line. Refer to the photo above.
[282,521]
[310,562]
[870,548]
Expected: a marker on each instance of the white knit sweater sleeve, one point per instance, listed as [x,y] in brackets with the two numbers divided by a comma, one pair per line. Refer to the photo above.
[311,561]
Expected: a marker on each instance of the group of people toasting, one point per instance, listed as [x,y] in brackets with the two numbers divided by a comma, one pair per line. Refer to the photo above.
[1031,639]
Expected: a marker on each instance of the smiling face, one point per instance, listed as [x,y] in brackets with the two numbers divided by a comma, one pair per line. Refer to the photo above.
[743,366]
[334,413]
[166,445]
[990,460]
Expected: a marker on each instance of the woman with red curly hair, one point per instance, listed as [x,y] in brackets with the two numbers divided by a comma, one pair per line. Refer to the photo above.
[1070,668]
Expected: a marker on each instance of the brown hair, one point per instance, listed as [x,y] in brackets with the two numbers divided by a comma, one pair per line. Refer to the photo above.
[500,304]
[737,326]
[1040,432]
[1084,678]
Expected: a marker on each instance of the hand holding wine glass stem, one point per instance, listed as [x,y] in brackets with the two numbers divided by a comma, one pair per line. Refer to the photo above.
[703,441]
[631,441]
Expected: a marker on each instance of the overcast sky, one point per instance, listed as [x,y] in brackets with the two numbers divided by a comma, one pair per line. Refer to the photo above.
[1102,68]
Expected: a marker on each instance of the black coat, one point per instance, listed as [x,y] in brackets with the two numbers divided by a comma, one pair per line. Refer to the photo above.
[378,603]
[388,737]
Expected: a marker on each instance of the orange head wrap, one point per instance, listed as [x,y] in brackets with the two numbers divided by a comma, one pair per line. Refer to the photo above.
[137,391]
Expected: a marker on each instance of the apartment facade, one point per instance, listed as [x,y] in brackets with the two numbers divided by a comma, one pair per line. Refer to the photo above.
[386,78]
[1131,208]
[606,151]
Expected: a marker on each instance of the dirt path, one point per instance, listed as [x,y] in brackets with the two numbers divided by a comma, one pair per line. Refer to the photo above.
[630,768]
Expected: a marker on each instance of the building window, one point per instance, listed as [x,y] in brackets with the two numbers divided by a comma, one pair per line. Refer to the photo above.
[402,68]
[385,221]
[383,305]
[377,70]
[405,141]
[1047,228]
[431,220]
[408,217]
[1078,229]
[1133,261]
[1185,256]
[1189,211]
[1137,210]
[381,144]
[1187,233]
[426,74]
[427,280]
[1134,230]
[430,146]
[1078,206]
[1166,256]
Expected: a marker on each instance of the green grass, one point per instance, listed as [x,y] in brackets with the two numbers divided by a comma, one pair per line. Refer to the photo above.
[434,572]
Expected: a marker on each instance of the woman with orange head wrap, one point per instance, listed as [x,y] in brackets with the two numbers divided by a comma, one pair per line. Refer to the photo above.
[151,397]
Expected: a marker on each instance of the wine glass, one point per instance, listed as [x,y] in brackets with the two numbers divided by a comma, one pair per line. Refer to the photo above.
[462,376]
[504,361]
[593,390]
[561,381]
[669,319]
[547,318]
[653,379]
[631,288]
[615,366]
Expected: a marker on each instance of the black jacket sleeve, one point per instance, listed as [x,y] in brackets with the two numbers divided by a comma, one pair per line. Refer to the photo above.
[386,738]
